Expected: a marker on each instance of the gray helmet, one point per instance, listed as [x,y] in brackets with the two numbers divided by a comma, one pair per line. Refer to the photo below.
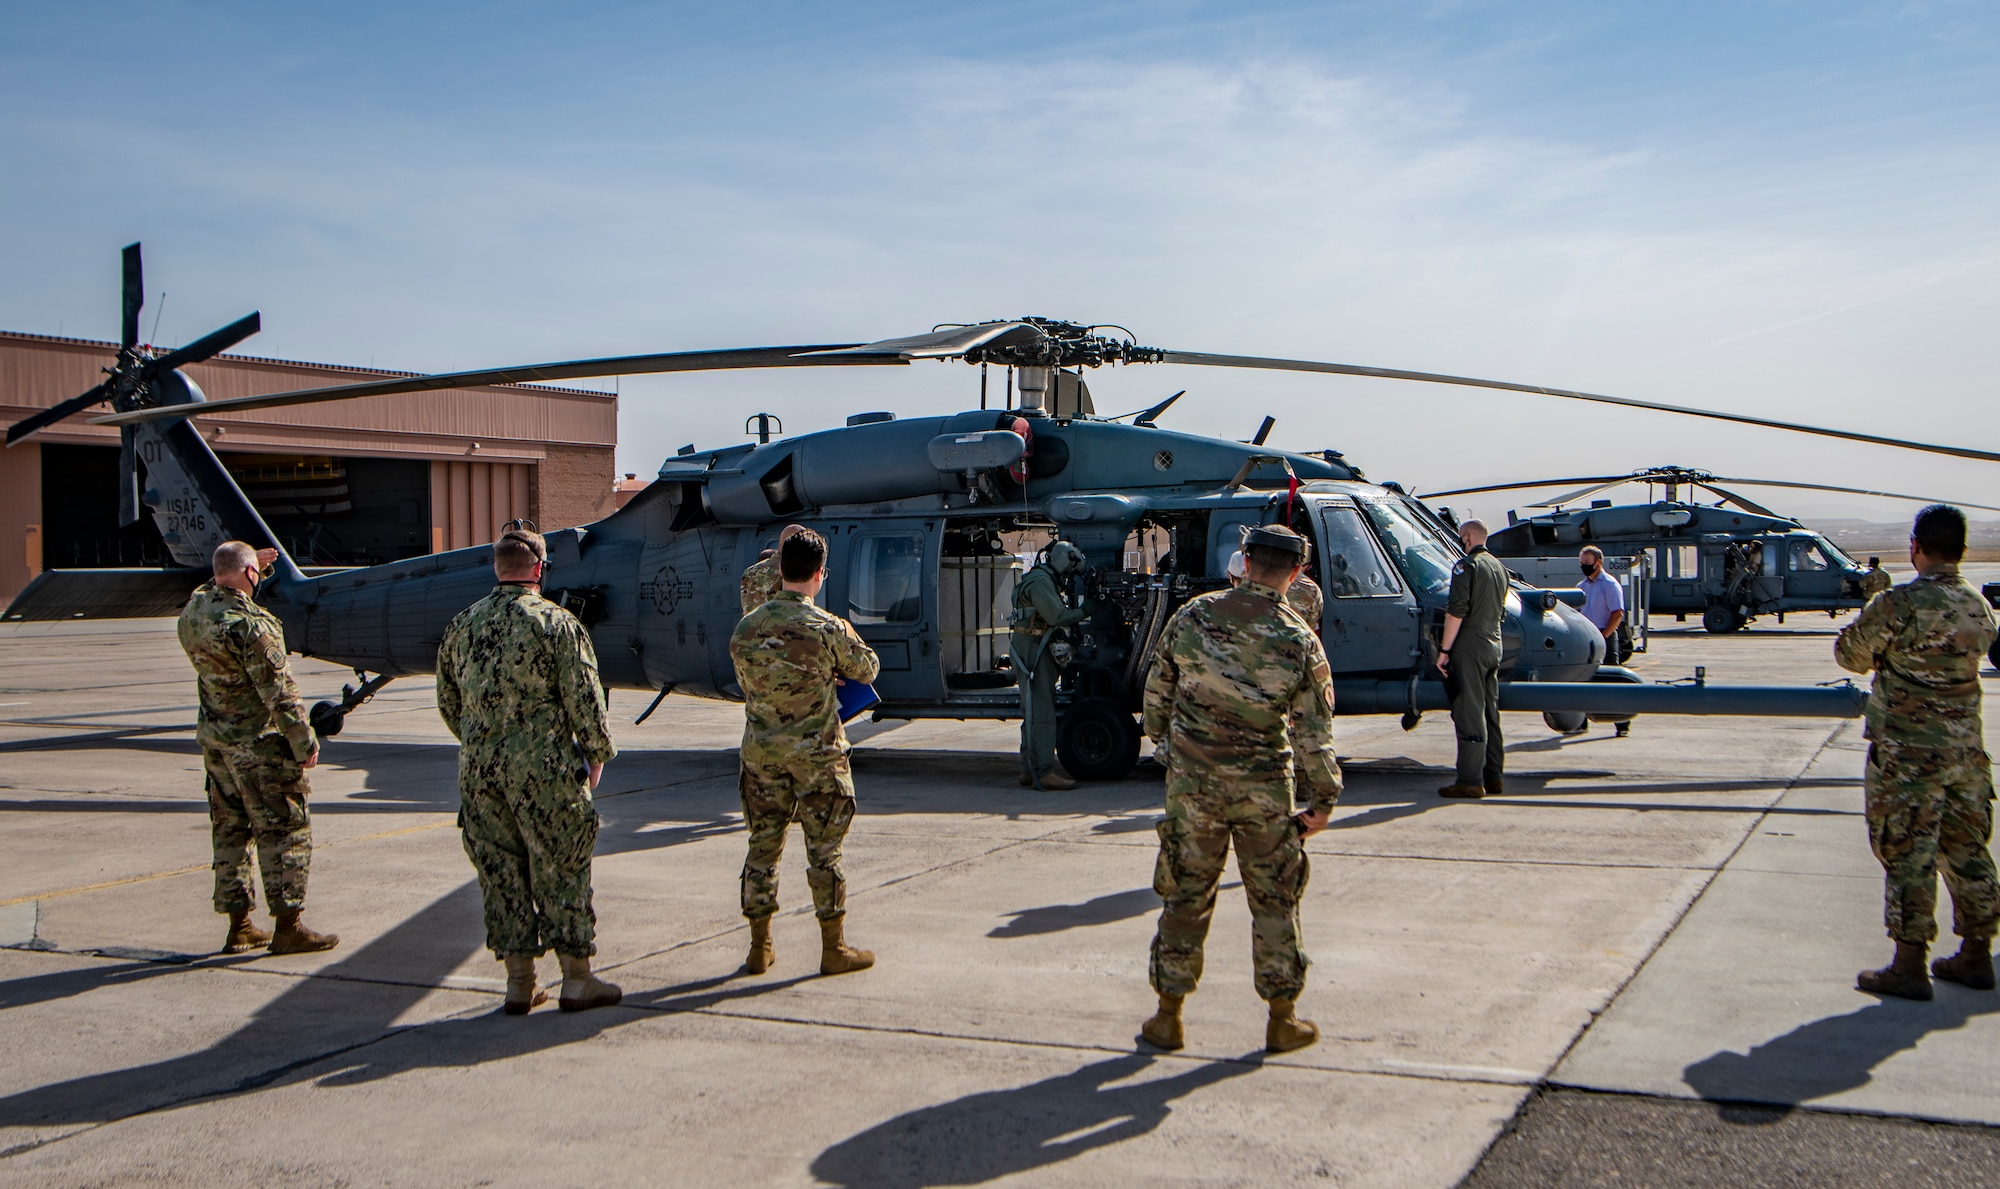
[1065,558]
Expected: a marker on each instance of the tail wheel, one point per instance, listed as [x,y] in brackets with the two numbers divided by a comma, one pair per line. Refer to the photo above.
[1097,740]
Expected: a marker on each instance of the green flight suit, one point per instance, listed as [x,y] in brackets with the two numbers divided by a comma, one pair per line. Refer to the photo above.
[1478,596]
[1038,610]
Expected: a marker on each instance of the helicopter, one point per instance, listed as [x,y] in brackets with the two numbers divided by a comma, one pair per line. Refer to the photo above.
[1728,562]
[921,515]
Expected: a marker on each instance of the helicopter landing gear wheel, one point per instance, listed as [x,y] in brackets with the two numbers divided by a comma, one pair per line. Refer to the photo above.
[1097,740]
[1566,722]
[1721,619]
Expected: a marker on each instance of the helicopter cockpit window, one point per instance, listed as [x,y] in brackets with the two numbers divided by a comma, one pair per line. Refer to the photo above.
[1424,559]
[1807,557]
[1351,561]
[887,580]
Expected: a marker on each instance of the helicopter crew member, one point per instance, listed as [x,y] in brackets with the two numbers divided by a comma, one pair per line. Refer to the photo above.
[1240,699]
[1929,780]
[256,744]
[789,656]
[1305,597]
[517,684]
[1469,658]
[761,580]
[1038,610]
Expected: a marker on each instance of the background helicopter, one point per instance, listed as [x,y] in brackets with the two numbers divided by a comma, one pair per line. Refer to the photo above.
[920,513]
[1728,564]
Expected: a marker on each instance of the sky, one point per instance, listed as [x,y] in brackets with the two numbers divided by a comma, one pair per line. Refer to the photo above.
[1784,208]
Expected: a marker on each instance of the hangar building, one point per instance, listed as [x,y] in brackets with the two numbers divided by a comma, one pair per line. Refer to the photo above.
[343,483]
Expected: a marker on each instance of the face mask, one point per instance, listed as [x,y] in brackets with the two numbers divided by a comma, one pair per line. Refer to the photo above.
[1588,569]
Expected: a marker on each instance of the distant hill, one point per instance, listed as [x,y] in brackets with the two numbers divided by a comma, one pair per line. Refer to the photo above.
[1890,540]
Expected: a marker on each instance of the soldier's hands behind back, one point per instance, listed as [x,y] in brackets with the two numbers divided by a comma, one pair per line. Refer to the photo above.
[1312,823]
[311,761]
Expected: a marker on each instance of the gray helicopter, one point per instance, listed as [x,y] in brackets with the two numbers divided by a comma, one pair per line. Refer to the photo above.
[923,515]
[1728,562]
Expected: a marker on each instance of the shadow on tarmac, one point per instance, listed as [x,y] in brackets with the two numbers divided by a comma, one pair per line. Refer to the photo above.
[983,1137]
[1055,918]
[1832,1055]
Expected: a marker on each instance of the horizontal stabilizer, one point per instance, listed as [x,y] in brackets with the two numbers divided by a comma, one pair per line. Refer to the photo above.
[104,594]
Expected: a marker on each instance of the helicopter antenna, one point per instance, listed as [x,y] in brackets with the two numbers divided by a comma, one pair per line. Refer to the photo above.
[155,337]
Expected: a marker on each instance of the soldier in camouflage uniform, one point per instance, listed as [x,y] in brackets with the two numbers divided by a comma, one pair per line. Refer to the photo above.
[1469,657]
[1929,780]
[1305,597]
[255,747]
[761,581]
[1241,698]
[789,655]
[517,684]
[1876,580]
[1038,610]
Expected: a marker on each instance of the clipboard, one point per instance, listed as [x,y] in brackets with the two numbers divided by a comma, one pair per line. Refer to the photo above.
[854,698]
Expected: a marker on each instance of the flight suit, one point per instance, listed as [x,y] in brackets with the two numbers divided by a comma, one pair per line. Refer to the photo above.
[794,753]
[1929,780]
[1478,596]
[517,684]
[1241,698]
[1038,609]
[254,737]
[760,582]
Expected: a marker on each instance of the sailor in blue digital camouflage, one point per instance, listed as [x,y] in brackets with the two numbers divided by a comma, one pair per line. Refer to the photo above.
[1241,698]
[1039,610]
[1929,779]
[789,656]
[255,747]
[517,684]
[761,581]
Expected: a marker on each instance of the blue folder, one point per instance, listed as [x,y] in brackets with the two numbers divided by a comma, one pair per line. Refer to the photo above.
[855,698]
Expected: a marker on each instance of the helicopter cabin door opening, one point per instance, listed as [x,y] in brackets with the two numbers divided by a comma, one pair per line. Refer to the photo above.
[890,595]
[976,579]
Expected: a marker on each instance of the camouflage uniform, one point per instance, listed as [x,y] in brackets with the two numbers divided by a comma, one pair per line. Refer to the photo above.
[1305,597]
[1038,610]
[1874,582]
[1929,781]
[760,583]
[1478,596]
[794,755]
[517,684]
[1242,699]
[254,736]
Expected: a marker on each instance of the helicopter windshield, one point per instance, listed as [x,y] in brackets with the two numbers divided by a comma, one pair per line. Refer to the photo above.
[1417,550]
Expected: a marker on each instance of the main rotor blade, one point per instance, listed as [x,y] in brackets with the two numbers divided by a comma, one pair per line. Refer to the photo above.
[213,343]
[1518,486]
[624,365]
[49,416]
[942,344]
[135,296]
[1748,505]
[1891,495]
[1385,373]
[1571,497]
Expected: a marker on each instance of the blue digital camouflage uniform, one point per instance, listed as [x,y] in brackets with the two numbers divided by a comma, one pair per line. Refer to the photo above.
[1929,780]
[517,684]
[794,755]
[1038,609]
[1478,597]
[254,737]
[1241,696]
[760,582]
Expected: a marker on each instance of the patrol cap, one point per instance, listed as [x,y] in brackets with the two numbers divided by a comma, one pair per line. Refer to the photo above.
[1275,537]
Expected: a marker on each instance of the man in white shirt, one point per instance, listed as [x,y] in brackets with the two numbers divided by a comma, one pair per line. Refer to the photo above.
[1603,606]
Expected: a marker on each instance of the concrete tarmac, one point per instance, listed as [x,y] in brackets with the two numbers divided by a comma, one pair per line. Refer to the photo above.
[1645,926]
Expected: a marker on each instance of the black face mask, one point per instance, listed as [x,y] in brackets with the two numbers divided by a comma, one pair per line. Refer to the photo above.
[1588,569]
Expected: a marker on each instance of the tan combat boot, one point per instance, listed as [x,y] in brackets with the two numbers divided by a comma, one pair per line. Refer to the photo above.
[1285,1031]
[1057,781]
[762,954]
[1904,978]
[835,955]
[523,994]
[244,936]
[294,938]
[582,990]
[1164,1030]
[1971,966]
